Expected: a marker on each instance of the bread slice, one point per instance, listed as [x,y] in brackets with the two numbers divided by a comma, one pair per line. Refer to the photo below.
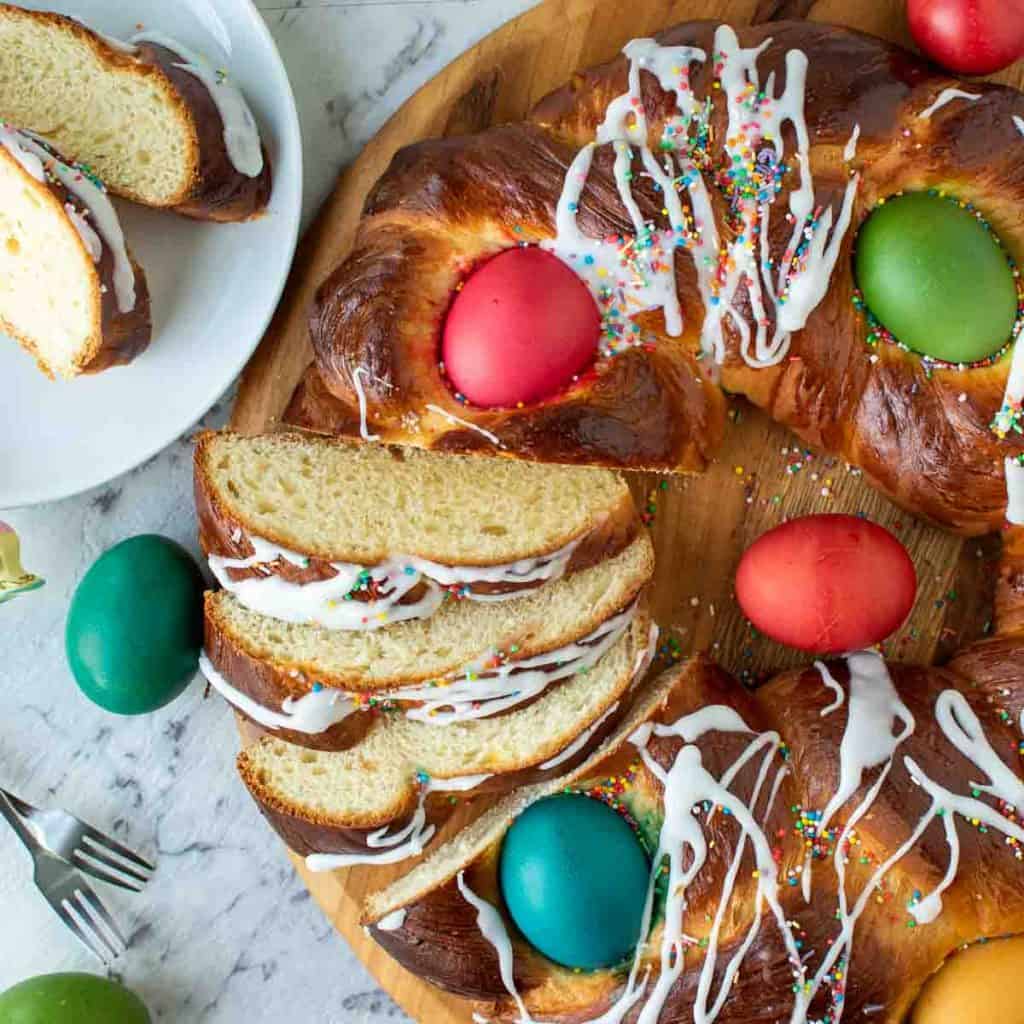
[330,803]
[337,501]
[155,122]
[270,660]
[70,292]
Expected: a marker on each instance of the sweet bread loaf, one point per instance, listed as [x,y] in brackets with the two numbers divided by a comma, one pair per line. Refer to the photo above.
[383,799]
[156,122]
[70,291]
[715,223]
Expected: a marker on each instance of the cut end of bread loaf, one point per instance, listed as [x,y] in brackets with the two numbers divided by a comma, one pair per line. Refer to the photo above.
[420,650]
[50,297]
[375,782]
[365,503]
[122,117]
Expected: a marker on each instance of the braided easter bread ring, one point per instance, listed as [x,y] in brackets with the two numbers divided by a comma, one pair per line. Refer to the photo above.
[760,294]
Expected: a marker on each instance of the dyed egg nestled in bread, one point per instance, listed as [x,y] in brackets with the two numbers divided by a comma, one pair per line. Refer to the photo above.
[70,291]
[156,121]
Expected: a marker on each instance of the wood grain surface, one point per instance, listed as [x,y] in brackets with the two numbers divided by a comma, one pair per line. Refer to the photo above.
[700,525]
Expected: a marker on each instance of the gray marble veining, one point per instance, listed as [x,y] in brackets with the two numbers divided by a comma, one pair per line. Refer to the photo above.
[225,933]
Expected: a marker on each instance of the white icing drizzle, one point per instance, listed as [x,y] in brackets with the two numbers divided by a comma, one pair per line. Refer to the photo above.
[686,785]
[493,438]
[314,712]
[92,242]
[829,680]
[1014,492]
[364,430]
[868,740]
[1018,123]
[944,97]
[241,136]
[850,152]
[493,929]
[483,689]
[12,142]
[393,921]
[961,727]
[37,160]
[580,742]
[947,804]
[650,283]
[408,842]
[324,601]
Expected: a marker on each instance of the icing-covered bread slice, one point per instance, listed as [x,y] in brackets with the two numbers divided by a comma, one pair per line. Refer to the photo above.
[470,660]
[70,292]
[372,803]
[356,536]
[156,122]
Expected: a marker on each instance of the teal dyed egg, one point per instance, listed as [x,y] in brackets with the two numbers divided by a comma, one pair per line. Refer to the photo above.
[936,278]
[71,999]
[574,879]
[136,626]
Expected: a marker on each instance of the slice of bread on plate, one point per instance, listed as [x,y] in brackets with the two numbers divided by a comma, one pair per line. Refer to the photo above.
[382,800]
[298,509]
[468,660]
[70,292]
[156,122]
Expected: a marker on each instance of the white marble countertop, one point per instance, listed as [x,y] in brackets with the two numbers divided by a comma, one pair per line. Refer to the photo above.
[226,932]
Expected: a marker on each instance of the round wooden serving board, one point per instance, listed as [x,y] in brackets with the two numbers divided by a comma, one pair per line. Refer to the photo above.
[700,525]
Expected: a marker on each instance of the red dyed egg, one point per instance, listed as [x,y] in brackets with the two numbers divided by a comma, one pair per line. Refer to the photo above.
[826,583]
[523,325]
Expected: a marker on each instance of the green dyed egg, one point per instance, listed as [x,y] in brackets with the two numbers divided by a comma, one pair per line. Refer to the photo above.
[136,625]
[71,999]
[574,878]
[936,278]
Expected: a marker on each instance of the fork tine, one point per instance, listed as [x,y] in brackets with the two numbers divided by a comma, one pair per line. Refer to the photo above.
[83,863]
[84,935]
[92,906]
[111,844]
[99,853]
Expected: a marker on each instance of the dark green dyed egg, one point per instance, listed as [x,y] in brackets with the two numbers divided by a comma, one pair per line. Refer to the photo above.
[71,999]
[574,879]
[936,278]
[136,625]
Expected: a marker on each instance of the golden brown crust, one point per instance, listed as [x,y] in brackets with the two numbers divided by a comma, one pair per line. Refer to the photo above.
[922,438]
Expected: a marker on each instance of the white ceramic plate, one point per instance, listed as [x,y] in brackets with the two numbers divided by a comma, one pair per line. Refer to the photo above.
[214,286]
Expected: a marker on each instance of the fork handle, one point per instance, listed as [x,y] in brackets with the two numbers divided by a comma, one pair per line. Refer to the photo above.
[20,828]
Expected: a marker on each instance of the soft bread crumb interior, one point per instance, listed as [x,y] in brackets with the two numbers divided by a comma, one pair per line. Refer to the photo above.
[49,287]
[127,125]
[366,502]
[379,771]
[459,633]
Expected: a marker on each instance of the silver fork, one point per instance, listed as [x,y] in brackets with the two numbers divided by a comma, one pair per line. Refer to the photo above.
[85,847]
[72,898]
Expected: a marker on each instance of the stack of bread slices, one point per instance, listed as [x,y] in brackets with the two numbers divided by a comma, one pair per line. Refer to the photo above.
[401,626]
